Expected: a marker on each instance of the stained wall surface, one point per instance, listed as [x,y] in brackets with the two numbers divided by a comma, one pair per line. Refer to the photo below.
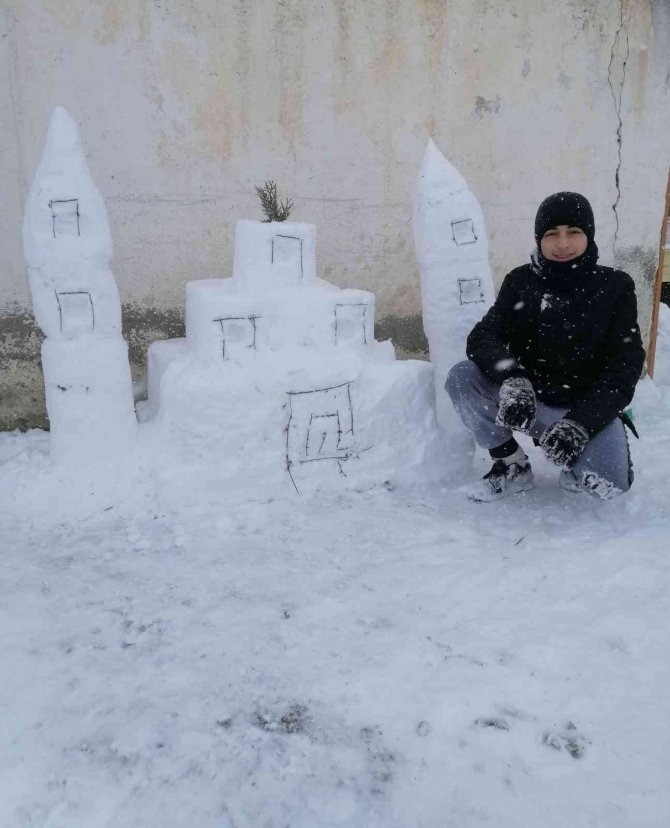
[185,105]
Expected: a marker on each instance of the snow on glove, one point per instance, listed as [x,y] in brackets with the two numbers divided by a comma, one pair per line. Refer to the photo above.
[563,442]
[517,404]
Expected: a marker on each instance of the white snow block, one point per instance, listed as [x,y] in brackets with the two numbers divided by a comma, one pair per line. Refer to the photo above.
[89,398]
[354,315]
[159,357]
[456,282]
[70,305]
[225,323]
[264,429]
[67,243]
[274,254]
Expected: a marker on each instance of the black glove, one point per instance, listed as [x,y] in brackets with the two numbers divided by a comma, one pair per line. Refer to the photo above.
[563,442]
[517,404]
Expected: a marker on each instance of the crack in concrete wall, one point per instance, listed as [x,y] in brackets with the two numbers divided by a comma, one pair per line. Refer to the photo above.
[618,61]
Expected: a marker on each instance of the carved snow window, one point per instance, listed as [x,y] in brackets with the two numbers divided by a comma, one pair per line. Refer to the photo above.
[350,324]
[463,232]
[323,436]
[470,291]
[287,255]
[238,334]
[65,217]
[320,427]
[76,312]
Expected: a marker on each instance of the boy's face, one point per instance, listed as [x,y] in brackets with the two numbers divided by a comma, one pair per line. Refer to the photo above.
[562,243]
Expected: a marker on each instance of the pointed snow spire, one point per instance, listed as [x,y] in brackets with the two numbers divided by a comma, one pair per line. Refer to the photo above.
[452,254]
[67,243]
[441,174]
[65,218]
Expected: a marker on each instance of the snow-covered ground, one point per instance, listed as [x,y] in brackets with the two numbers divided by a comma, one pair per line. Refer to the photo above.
[386,658]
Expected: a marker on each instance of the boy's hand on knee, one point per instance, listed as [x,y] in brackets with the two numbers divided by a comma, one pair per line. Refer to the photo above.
[517,406]
[563,442]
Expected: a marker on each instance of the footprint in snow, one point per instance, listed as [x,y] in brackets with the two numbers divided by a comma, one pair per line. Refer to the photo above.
[292,720]
[568,739]
[496,722]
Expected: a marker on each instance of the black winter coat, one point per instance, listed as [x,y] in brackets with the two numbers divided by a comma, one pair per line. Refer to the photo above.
[577,341]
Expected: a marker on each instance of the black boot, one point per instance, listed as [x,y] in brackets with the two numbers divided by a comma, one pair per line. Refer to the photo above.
[503,479]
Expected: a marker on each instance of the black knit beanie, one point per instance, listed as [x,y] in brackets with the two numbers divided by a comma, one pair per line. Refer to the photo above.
[564,208]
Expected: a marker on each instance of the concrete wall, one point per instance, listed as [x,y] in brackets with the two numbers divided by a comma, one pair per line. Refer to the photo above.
[184,105]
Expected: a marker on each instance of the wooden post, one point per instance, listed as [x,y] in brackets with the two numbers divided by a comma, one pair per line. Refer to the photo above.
[658,283]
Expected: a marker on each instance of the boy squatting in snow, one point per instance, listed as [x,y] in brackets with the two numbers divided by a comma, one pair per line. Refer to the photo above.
[557,356]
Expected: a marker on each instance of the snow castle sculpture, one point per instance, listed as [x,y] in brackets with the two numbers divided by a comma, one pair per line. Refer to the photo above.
[279,383]
[456,282]
[67,246]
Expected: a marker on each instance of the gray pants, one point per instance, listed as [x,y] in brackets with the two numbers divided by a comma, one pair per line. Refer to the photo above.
[604,469]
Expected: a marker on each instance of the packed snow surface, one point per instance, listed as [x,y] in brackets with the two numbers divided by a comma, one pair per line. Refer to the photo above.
[383,658]
[390,657]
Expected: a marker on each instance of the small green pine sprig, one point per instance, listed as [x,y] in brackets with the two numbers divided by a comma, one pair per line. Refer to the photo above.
[274,209]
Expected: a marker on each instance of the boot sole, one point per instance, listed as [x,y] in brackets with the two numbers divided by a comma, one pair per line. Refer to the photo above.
[512,489]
